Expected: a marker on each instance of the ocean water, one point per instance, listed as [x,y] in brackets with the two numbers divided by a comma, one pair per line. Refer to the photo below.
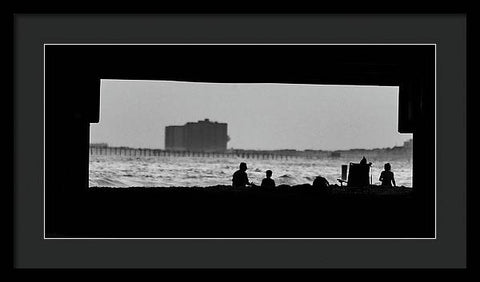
[159,171]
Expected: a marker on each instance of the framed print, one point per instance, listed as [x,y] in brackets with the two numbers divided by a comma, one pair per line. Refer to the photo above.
[240,141]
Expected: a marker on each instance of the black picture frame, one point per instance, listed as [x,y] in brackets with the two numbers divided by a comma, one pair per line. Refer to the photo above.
[428,28]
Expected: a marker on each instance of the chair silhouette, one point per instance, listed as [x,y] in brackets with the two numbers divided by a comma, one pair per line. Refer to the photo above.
[344,175]
[358,175]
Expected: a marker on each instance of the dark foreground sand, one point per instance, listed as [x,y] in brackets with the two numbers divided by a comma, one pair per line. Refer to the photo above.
[333,191]
[299,211]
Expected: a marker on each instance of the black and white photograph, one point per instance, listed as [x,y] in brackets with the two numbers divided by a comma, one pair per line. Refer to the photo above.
[242,141]
[231,140]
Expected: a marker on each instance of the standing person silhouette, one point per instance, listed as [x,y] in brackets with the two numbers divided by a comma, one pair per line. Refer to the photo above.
[268,182]
[240,178]
[387,176]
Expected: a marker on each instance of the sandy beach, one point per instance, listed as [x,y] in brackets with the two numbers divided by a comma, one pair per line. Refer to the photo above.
[300,211]
[332,191]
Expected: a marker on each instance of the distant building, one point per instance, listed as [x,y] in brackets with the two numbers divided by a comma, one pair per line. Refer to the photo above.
[408,144]
[201,136]
[175,138]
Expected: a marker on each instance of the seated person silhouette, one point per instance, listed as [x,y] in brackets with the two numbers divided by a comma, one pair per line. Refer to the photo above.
[320,182]
[387,176]
[240,178]
[268,182]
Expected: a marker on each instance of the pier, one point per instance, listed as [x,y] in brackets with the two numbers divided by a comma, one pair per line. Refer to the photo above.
[142,152]
[102,149]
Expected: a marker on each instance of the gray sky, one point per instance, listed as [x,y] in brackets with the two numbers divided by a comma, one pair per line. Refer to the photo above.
[259,116]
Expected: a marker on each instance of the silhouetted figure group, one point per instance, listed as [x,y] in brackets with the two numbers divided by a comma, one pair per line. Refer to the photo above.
[386,177]
[240,177]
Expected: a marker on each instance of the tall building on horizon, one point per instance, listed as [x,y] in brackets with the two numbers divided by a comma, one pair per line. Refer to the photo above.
[201,136]
[408,144]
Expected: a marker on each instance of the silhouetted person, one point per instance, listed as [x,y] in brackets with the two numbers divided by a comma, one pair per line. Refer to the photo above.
[240,178]
[268,182]
[387,176]
[320,182]
[364,161]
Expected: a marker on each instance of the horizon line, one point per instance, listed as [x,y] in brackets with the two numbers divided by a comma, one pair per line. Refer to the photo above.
[239,149]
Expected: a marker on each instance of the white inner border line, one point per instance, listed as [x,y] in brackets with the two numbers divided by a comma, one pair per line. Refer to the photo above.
[281,44]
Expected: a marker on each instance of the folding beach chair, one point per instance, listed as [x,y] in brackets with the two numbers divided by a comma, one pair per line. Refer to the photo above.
[344,175]
[358,175]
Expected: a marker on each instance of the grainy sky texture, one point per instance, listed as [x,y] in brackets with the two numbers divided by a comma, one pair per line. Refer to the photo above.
[259,116]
